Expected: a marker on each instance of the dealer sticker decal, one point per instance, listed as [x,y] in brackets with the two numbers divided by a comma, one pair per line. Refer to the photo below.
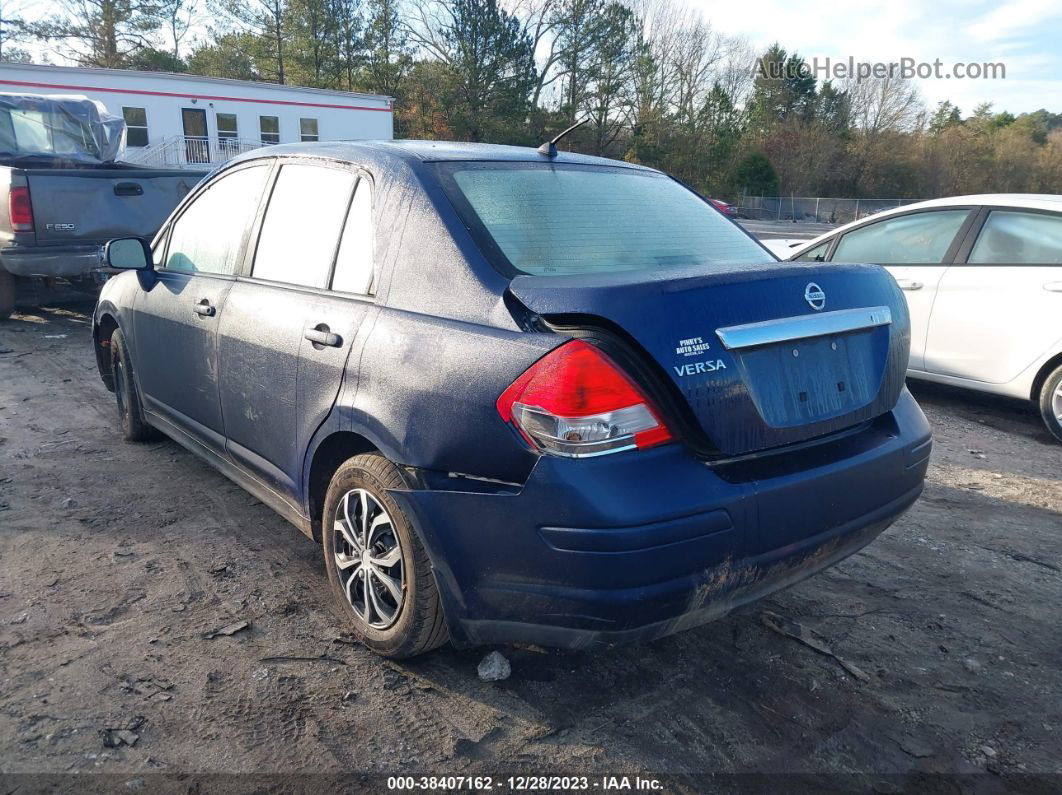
[694,346]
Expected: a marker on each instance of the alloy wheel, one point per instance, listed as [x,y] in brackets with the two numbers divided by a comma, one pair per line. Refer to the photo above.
[368,559]
[1056,403]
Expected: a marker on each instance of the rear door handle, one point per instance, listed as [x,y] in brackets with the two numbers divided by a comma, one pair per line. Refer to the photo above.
[320,335]
[909,284]
[1054,287]
[205,309]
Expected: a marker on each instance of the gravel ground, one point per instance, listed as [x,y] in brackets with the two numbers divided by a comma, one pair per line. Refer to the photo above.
[118,562]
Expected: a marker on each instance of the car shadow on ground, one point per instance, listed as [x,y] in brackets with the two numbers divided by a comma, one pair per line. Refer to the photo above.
[995,411]
[935,613]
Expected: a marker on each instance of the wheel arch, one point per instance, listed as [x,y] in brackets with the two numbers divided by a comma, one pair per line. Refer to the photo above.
[102,331]
[331,450]
[1041,376]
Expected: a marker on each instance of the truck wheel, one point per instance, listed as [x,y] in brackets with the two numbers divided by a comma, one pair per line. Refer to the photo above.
[1051,402]
[130,412]
[7,294]
[380,575]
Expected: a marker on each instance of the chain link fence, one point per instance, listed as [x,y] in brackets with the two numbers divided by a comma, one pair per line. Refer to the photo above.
[814,209]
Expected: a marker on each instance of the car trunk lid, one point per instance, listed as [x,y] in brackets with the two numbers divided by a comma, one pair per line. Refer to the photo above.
[759,356]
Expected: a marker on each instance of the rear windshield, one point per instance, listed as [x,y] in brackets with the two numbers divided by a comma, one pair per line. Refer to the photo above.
[553,219]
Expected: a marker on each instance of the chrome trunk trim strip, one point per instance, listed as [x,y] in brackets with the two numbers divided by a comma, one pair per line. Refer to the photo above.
[786,329]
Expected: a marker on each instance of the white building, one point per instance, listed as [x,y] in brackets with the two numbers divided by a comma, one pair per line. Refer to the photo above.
[196,122]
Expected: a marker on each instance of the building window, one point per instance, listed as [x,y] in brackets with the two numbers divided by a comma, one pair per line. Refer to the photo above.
[136,132]
[270,126]
[308,129]
[227,126]
[228,133]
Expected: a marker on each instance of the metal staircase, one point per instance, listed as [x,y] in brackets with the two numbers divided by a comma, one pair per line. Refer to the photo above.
[181,151]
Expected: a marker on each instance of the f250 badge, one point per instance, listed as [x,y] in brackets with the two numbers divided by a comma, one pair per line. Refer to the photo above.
[60,227]
[693,368]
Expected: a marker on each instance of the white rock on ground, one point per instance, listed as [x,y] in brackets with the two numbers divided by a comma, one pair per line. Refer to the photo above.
[494,667]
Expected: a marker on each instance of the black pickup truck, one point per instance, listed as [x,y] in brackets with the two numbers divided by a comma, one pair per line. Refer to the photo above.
[63,194]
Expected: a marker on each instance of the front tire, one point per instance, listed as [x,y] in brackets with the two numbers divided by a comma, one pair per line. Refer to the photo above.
[131,420]
[378,570]
[1051,402]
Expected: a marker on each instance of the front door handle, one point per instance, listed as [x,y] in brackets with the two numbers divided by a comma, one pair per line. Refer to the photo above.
[321,336]
[1054,287]
[909,284]
[205,309]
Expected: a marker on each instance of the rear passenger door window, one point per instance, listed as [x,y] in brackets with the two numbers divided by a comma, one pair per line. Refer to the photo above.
[354,263]
[208,235]
[302,225]
[1013,237]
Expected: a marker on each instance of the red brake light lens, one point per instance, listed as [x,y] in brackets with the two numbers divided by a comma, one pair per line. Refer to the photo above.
[576,402]
[19,209]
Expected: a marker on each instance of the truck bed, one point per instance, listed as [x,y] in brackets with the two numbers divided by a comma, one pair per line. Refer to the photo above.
[78,208]
[94,205]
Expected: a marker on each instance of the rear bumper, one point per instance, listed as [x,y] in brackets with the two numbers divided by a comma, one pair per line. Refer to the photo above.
[63,261]
[640,545]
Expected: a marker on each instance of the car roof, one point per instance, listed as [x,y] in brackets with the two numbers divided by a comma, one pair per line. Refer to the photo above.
[1035,201]
[430,152]
[1028,201]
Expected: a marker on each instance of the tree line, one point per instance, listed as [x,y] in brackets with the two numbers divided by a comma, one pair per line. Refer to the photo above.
[658,84]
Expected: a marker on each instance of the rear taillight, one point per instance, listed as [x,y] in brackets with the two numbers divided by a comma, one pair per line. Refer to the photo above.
[19,209]
[576,402]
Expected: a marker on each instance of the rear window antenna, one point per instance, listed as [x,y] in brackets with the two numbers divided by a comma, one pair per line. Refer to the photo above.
[549,148]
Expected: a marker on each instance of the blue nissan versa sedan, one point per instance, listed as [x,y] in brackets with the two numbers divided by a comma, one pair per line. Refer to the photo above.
[519,396]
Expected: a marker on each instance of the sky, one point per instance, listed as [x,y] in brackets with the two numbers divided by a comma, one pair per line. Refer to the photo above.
[1024,35]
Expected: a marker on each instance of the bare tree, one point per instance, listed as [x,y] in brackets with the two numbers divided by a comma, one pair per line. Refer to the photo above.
[883,104]
[880,110]
[733,72]
[178,16]
[539,21]
[13,30]
[695,53]
[661,26]
[610,99]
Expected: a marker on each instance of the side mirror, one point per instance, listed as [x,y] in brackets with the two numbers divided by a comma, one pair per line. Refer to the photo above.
[127,253]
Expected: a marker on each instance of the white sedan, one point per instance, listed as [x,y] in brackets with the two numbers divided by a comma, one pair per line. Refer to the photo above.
[983,280]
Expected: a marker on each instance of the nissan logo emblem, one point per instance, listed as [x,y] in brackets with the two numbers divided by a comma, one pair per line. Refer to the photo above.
[815,297]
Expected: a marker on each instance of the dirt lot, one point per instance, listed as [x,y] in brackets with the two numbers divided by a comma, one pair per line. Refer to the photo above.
[117,561]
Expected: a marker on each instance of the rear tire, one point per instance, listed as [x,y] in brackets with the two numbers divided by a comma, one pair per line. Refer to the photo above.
[1051,402]
[7,294]
[131,420]
[378,570]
